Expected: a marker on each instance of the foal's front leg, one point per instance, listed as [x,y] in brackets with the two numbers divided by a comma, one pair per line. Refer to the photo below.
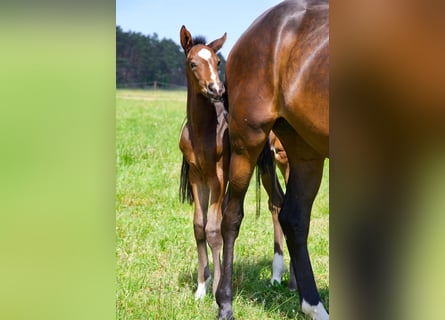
[201,196]
[213,227]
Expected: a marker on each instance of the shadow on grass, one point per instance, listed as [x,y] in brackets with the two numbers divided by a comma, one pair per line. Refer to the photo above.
[251,285]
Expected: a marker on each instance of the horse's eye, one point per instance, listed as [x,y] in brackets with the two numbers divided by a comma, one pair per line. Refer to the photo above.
[192,65]
[219,62]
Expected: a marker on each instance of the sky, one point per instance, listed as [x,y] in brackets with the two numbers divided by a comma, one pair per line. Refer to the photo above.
[201,17]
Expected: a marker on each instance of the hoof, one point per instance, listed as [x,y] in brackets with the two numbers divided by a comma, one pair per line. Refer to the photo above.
[292,285]
[225,313]
[275,283]
[202,289]
[317,312]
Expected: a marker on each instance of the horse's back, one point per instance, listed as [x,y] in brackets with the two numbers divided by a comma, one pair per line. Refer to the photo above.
[282,60]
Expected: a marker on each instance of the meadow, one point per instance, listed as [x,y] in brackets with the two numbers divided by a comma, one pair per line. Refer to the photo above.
[155,247]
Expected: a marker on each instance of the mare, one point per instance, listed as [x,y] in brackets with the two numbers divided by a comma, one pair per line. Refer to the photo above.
[205,146]
[277,79]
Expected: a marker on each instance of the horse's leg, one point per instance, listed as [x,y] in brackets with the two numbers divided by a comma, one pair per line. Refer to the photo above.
[242,164]
[201,196]
[306,169]
[213,227]
[283,166]
[278,264]
[231,222]
[292,284]
[270,183]
[280,155]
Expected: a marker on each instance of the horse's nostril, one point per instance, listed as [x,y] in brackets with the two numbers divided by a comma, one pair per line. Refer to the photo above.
[216,89]
[212,88]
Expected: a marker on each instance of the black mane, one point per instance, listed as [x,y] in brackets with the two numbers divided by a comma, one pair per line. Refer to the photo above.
[199,40]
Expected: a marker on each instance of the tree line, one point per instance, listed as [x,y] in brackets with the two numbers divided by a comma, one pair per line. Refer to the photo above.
[145,60]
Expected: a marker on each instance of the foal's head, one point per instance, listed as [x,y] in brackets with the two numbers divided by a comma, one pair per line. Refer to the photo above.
[202,64]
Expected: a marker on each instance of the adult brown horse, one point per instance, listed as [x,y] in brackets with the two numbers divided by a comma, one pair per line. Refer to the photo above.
[277,78]
[205,146]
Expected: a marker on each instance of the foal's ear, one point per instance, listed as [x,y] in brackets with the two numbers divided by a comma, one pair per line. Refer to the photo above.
[217,44]
[186,39]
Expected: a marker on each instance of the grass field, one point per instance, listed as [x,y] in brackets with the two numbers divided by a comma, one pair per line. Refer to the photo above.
[155,246]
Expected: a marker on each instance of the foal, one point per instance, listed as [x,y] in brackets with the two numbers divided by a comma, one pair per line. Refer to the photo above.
[205,146]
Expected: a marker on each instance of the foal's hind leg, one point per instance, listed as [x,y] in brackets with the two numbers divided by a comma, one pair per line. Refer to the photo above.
[278,266]
[201,196]
[283,165]
[271,183]
[275,206]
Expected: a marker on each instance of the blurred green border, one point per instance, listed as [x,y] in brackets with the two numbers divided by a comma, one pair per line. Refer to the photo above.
[57,160]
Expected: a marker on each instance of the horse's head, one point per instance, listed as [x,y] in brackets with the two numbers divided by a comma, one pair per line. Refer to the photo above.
[202,64]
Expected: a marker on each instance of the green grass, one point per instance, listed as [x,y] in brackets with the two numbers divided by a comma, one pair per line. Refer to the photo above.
[156,252]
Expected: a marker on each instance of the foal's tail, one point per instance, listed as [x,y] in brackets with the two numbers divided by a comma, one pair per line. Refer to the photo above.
[185,188]
[266,172]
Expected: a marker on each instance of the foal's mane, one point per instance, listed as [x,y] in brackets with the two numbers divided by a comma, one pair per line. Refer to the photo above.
[198,40]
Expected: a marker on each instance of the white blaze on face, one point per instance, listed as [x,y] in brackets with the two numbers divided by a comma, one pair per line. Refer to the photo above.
[206,55]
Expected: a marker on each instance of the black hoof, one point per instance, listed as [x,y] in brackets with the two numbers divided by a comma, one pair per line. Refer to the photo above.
[292,285]
[225,313]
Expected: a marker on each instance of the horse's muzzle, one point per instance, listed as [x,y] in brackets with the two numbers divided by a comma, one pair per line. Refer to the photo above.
[215,90]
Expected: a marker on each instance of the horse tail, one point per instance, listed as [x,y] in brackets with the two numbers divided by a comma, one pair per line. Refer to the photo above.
[258,190]
[264,165]
[185,188]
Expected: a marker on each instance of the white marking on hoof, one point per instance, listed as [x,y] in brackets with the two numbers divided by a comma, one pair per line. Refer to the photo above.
[202,289]
[317,312]
[277,268]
